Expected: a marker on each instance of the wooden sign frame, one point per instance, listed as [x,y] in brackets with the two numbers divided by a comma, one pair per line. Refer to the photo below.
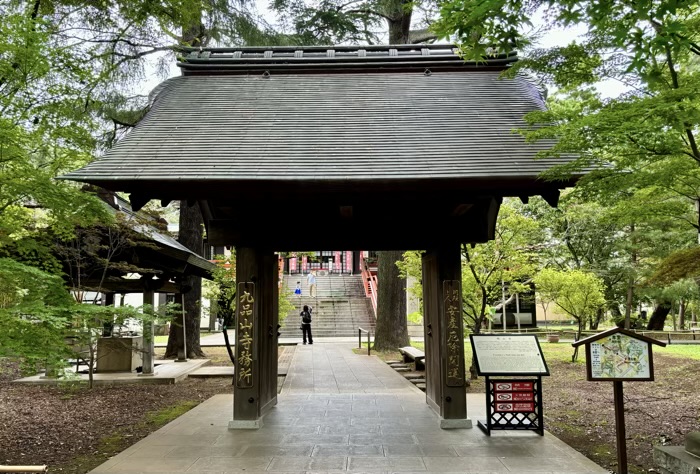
[591,377]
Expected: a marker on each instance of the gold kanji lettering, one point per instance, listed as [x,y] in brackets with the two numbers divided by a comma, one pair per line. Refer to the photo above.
[245,341]
[245,325]
[245,358]
[246,375]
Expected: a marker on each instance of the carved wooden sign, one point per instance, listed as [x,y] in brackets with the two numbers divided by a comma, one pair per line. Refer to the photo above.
[454,343]
[245,332]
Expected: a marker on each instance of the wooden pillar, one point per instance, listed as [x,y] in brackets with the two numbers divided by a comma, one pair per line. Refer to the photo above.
[181,329]
[148,348]
[444,335]
[108,326]
[255,385]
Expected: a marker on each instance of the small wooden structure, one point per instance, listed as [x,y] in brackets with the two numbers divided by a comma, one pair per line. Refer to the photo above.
[361,140]
[616,356]
[166,259]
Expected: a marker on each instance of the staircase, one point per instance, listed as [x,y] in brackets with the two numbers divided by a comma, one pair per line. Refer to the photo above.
[340,306]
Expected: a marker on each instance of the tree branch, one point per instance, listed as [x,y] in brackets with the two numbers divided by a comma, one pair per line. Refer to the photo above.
[369,11]
[421,36]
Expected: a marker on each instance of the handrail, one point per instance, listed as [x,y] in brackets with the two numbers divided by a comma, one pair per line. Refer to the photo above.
[369,282]
[359,339]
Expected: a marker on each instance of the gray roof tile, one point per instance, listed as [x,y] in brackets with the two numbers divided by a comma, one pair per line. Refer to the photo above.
[327,127]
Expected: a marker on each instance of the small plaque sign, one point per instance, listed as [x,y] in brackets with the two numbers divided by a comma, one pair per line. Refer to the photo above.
[511,407]
[513,386]
[515,397]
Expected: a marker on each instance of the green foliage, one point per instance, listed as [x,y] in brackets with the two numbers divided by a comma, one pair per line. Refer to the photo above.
[575,292]
[32,313]
[507,261]
[412,266]
[680,265]
[640,148]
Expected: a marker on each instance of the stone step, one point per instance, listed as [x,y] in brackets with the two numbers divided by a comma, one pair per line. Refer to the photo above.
[339,308]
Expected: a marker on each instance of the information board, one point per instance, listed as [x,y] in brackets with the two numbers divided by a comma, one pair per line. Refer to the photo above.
[508,354]
[619,356]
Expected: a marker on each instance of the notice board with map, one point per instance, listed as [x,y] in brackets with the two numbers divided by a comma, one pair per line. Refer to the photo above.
[618,354]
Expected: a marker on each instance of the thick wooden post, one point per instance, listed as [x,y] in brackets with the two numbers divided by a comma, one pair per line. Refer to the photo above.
[255,386]
[181,329]
[619,400]
[148,348]
[444,337]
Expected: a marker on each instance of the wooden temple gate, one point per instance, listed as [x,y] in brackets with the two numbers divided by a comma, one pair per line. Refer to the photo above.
[409,142]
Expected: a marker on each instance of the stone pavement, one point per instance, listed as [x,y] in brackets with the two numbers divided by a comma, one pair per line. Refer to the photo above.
[339,412]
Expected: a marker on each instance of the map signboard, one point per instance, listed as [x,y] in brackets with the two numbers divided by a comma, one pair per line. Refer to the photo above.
[620,356]
[508,354]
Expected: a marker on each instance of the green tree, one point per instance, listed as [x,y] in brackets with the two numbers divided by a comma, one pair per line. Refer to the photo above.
[642,144]
[32,320]
[506,263]
[575,292]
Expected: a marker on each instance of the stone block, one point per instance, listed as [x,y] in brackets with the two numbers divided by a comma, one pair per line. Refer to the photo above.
[675,460]
[692,443]
[119,354]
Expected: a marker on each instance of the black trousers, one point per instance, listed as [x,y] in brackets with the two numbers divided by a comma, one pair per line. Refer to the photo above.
[306,330]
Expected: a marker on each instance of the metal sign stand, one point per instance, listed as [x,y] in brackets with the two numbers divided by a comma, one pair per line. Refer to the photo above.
[513,404]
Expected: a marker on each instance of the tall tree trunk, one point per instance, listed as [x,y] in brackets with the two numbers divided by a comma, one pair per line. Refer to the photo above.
[400,28]
[392,327]
[628,303]
[658,317]
[189,235]
[595,320]
[681,315]
[630,283]
[399,13]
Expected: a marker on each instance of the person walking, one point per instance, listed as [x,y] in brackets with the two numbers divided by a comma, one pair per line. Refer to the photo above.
[297,290]
[311,280]
[306,324]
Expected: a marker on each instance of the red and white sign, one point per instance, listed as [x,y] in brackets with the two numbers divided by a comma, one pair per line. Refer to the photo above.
[514,407]
[513,386]
[515,397]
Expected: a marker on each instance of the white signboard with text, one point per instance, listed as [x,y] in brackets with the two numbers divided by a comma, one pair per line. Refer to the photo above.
[508,354]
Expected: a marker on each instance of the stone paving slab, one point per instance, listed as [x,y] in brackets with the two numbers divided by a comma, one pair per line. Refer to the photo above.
[342,413]
[166,372]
